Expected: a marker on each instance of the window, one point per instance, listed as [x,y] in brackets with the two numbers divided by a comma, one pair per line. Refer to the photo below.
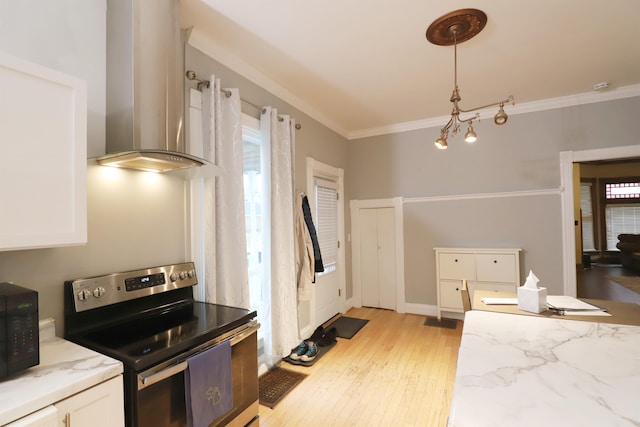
[253,205]
[586,208]
[622,210]
[326,218]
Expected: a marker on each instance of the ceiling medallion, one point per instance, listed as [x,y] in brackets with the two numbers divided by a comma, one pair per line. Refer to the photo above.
[453,28]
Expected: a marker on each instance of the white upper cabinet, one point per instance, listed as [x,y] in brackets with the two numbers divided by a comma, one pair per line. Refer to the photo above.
[43,156]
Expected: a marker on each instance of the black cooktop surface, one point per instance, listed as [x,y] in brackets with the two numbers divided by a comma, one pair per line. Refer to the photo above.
[143,342]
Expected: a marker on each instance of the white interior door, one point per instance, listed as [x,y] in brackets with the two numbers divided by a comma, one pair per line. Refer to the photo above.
[377,257]
[386,258]
[369,257]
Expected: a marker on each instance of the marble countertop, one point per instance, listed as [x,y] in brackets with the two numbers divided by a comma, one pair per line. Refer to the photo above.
[65,369]
[531,371]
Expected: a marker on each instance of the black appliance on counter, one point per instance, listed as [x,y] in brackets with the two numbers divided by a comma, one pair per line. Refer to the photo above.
[149,320]
[19,333]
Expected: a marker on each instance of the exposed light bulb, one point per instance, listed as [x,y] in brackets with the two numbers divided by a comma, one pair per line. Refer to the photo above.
[470,136]
[441,142]
[501,117]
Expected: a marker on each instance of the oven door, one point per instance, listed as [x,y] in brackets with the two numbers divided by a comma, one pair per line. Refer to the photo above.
[160,396]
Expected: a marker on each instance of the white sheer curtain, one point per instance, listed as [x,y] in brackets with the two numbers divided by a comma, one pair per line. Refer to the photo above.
[278,136]
[225,244]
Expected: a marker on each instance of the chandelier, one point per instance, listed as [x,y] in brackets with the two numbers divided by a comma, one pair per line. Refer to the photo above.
[451,29]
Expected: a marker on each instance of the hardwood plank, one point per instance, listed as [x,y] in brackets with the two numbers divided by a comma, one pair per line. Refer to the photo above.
[395,371]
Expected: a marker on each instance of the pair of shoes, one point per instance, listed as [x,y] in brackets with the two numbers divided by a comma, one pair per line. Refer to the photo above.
[300,351]
[305,352]
[317,334]
[312,352]
[328,338]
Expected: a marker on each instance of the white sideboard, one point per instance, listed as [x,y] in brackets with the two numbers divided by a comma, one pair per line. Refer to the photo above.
[494,269]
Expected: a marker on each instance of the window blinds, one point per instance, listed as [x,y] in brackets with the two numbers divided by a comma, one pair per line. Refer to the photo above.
[326,219]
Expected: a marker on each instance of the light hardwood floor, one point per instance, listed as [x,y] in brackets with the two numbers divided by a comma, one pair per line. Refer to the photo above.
[394,372]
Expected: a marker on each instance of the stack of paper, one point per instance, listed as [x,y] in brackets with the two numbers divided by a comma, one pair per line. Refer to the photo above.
[573,306]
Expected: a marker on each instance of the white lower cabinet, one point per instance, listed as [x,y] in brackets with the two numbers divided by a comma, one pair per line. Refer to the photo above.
[98,406]
[491,269]
[45,417]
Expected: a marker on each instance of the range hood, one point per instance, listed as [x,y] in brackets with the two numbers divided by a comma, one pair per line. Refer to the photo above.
[145,89]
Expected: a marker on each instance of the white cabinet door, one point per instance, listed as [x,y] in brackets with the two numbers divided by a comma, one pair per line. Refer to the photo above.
[43,139]
[99,406]
[378,257]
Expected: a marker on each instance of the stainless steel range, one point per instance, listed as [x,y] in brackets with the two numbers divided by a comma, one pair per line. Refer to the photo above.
[149,320]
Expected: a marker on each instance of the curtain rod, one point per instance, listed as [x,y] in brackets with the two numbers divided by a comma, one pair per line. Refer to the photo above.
[191,75]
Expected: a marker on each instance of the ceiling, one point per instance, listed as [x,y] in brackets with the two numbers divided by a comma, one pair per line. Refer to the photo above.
[365,67]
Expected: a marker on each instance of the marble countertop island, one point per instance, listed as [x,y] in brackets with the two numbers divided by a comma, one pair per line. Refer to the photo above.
[529,371]
[65,369]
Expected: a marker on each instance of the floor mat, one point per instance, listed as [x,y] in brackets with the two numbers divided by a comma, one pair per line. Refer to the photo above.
[444,323]
[274,385]
[347,327]
[321,352]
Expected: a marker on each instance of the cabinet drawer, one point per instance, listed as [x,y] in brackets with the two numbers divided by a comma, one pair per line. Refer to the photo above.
[496,268]
[450,297]
[457,266]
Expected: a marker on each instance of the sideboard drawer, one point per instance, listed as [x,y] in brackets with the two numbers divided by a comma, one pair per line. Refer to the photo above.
[496,268]
[457,266]
[450,297]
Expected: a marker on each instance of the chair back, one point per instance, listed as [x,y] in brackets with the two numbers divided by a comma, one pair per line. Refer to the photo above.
[464,293]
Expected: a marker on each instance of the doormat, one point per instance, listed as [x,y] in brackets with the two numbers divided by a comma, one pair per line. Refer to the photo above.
[347,327]
[629,282]
[274,385]
[443,323]
[321,352]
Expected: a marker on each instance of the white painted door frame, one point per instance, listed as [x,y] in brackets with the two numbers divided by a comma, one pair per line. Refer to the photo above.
[567,159]
[396,204]
[323,170]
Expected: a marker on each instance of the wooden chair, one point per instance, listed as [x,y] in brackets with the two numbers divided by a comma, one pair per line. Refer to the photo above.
[466,300]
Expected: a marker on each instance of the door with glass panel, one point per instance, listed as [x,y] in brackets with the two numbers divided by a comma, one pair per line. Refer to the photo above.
[325,215]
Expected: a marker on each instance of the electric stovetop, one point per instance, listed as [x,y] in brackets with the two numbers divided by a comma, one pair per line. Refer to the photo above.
[142,342]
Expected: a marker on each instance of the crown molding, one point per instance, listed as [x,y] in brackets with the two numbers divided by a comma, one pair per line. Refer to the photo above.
[527,107]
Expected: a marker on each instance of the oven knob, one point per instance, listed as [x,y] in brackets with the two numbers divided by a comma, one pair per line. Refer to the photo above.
[174,277]
[99,291]
[183,275]
[84,294]
[191,273]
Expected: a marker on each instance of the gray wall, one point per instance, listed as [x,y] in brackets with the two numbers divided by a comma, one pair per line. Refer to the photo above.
[520,157]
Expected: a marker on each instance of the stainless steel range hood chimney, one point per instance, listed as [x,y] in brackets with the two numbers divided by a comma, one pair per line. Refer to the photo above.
[145,87]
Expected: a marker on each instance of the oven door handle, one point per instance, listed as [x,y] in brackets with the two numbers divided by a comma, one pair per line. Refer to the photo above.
[147,379]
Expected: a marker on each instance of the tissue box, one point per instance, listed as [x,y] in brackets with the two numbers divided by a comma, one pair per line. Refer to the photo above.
[532,300]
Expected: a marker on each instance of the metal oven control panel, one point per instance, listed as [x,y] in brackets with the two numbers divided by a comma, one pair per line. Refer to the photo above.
[101,291]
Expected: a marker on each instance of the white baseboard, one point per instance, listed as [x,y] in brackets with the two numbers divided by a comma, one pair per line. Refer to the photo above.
[430,310]
[422,309]
[348,305]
